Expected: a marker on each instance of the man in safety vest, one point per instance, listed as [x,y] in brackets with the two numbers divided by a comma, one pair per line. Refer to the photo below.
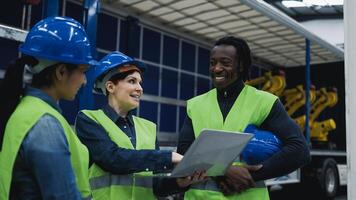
[232,106]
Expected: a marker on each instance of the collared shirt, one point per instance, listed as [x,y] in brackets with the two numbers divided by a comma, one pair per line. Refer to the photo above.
[112,158]
[126,124]
[43,168]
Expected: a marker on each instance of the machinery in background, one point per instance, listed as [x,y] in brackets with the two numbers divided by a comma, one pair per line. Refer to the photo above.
[294,99]
[327,171]
[274,83]
[320,100]
[319,130]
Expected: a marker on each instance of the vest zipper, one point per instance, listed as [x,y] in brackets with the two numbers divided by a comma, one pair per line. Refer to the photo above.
[225,106]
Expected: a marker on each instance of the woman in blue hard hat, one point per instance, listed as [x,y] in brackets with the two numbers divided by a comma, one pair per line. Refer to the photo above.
[41,157]
[123,147]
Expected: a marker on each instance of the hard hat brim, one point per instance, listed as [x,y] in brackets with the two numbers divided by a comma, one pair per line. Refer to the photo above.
[89,61]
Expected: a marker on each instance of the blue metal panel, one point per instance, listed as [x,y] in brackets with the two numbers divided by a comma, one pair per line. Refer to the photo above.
[182,116]
[11,13]
[130,33]
[70,109]
[150,80]
[100,101]
[123,36]
[91,18]
[188,57]
[168,118]
[170,51]
[36,14]
[169,83]
[107,36]
[151,45]
[86,98]
[149,110]
[203,61]
[50,8]
[203,85]
[307,89]
[74,11]
[9,51]
[187,87]
[100,55]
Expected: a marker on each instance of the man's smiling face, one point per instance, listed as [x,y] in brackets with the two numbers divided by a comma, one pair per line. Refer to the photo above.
[223,66]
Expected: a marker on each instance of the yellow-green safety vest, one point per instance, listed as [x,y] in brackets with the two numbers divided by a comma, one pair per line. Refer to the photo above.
[137,186]
[25,116]
[252,106]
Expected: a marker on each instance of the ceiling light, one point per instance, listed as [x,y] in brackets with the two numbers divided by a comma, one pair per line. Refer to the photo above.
[315,2]
[309,3]
[335,2]
[293,4]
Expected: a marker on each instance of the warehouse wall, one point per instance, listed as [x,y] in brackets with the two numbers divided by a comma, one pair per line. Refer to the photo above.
[177,67]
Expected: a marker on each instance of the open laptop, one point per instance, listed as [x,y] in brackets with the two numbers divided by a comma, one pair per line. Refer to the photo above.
[213,151]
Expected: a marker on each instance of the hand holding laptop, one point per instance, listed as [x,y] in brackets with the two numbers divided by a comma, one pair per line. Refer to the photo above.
[195,178]
[213,151]
[240,178]
[176,157]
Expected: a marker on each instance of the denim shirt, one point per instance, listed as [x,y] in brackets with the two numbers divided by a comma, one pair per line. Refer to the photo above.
[112,158]
[43,168]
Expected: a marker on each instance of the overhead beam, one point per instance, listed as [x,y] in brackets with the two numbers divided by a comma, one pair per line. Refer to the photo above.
[301,18]
[284,19]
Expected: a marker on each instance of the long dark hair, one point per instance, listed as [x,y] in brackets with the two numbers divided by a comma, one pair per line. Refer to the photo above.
[12,89]
[12,86]
[243,54]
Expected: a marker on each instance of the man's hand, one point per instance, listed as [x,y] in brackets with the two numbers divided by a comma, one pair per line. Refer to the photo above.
[223,185]
[239,177]
[195,178]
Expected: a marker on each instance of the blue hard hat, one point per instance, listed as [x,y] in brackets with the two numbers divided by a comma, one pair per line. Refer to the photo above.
[262,146]
[61,39]
[109,66]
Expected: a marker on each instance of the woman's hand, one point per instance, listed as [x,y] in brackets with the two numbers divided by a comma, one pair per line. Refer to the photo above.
[176,158]
[195,178]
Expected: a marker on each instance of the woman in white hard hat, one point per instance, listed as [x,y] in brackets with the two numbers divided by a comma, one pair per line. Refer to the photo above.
[41,157]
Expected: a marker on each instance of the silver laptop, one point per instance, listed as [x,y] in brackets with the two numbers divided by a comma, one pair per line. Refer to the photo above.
[213,151]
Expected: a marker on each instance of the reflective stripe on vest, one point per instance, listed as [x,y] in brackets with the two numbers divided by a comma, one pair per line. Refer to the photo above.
[252,106]
[211,185]
[108,180]
[144,181]
[101,181]
[27,113]
[124,180]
